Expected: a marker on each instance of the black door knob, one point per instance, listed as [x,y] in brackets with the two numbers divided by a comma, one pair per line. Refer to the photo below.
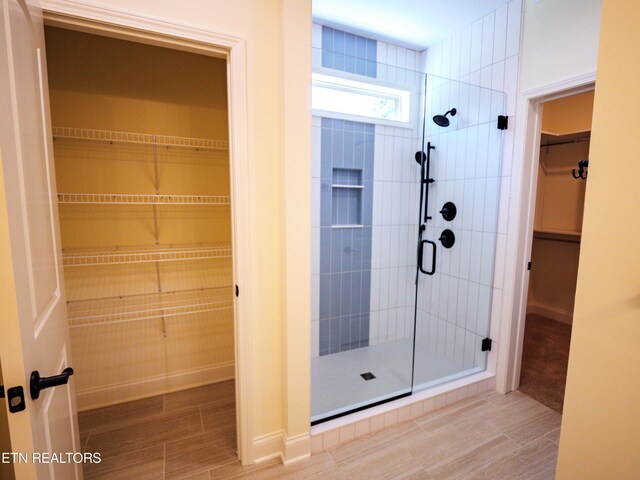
[38,383]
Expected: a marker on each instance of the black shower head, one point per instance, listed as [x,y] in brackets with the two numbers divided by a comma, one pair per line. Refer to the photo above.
[442,120]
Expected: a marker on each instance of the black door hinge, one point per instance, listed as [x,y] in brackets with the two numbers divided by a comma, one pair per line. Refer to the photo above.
[237,291]
[529,266]
[1,391]
[486,345]
[503,122]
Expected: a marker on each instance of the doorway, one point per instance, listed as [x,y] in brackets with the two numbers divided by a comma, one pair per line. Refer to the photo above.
[561,185]
[143,179]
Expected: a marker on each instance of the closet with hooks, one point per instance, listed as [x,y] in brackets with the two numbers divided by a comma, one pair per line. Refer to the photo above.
[142,171]
[555,250]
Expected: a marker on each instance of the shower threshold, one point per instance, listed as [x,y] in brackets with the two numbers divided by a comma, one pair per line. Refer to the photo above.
[338,388]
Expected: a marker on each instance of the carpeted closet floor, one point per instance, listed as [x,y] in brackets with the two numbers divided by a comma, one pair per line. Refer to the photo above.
[544,360]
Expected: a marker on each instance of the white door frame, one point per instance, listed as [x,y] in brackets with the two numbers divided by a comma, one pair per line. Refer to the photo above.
[114,23]
[528,148]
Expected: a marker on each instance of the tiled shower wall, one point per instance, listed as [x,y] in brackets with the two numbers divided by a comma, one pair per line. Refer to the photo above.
[385,282]
[466,298]
[453,305]
[348,52]
[346,192]
[483,53]
[395,207]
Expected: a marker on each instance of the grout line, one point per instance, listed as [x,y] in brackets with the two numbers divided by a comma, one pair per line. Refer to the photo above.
[201,419]
[329,451]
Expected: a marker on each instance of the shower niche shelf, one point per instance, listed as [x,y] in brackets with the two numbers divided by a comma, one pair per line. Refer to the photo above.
[347,191]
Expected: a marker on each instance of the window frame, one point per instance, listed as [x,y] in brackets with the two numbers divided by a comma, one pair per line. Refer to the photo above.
[340,81]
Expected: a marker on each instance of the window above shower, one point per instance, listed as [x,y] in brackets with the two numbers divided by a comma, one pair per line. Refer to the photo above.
[339,95]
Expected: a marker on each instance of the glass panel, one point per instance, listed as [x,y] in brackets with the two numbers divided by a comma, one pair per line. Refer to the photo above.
[372,308]
[453,306]
[365,187]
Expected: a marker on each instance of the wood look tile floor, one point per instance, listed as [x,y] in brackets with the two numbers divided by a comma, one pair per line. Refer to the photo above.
[490,436]
[178,435]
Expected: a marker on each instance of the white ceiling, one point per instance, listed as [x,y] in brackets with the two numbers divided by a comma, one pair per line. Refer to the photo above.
[416,24]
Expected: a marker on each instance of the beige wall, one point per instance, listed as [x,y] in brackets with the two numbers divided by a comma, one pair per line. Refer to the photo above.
[560,199]
[568,114]
[552,284]
[261,24]
[559,208]
[559,41]
[601,424]
[99,82]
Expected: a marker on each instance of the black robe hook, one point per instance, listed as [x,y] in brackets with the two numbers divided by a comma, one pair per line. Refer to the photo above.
[581,173]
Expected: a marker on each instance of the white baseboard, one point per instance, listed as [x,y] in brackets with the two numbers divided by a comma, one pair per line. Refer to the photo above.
[268,447]
[149,387]
[296,448]
[277,445]
[550,312]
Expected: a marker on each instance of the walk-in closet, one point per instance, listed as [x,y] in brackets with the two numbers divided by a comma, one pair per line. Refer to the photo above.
[143,179]
[561,186]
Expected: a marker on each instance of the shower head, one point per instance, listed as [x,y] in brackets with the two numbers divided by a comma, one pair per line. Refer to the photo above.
[442,120]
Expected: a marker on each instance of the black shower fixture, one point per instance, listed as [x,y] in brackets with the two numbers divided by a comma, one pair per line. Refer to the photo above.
[442,120]
[449,211]
[447,238]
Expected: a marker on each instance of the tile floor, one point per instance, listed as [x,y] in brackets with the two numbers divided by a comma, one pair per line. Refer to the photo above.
[190,435]
[169,436]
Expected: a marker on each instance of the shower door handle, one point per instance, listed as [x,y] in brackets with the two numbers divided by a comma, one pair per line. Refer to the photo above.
[421,256]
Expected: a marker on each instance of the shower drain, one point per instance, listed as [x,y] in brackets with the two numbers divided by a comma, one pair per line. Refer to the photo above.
[368,376]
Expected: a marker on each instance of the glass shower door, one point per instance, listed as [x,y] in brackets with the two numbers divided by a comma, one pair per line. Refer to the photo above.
[365,186]
[453,305]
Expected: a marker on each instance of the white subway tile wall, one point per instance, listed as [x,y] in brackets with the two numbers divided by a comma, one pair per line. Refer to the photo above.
[484,53]
[395,200]
[458,310]
[395,217]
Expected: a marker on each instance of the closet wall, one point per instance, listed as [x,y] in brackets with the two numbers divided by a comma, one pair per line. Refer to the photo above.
[559,207]
[148,278]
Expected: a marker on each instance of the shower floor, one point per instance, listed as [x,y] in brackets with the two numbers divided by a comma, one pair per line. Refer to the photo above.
[337,387]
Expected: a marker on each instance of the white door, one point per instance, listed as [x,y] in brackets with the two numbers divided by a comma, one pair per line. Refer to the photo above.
[33,317]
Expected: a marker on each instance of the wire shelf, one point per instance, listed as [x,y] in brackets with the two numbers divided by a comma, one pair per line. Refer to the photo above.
[137,138]
[125,255]
[137,308]
[141,199]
